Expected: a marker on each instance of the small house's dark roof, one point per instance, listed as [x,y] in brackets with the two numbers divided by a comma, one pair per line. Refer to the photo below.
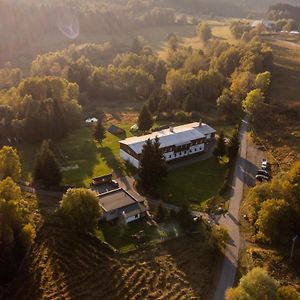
[117,199]
[115,129]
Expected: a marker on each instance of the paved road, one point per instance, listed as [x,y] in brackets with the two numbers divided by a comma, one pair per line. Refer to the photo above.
[231,220]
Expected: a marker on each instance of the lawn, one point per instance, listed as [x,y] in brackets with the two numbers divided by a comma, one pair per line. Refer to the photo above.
[85,157]
[195,183]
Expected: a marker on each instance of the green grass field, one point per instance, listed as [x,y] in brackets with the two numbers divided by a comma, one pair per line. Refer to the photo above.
[195,183]
[88,157]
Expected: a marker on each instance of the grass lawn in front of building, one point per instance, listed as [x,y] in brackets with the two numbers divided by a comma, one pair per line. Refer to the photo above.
[194,184]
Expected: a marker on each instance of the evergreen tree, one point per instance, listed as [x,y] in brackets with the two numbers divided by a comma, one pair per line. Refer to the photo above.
[152,166]
[99,133]
[221,147]
[145,120]
[153,102]
[160,213]
[185,218]
[233,145]
[46,171]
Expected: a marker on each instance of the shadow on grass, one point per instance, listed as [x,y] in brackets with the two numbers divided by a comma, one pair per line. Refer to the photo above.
[111,161]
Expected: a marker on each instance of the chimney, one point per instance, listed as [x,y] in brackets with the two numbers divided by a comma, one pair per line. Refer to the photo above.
[200,122]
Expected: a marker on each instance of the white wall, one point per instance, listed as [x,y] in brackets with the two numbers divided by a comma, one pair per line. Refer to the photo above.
[193,150]
[133,218]
[125,156]
[168,156]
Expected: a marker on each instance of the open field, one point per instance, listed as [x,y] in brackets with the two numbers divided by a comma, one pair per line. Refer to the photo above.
[282,130]
[65,265]
[195,183]
[153,36]
[189,38]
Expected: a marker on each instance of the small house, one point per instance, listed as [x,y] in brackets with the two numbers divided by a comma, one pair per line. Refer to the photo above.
[119,205]
[113,129]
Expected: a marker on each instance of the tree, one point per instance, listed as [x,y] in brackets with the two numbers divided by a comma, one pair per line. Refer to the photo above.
[185,218]
[276,221]
[255,285]
[204,32]
[46,170]
[81,210]
[145,120]
[137,45]
[152,166]
[294,179]
[9,190]
[263,81]
[228,107]
[160,213]
[254,101]
[233,145]
[172,41]
[220,149]
[288,293]
[99,133]
[10,165]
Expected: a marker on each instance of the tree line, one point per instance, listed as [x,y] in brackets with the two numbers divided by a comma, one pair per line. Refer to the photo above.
[39,108]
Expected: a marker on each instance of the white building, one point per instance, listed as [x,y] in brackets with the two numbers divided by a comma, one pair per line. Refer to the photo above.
[177,142]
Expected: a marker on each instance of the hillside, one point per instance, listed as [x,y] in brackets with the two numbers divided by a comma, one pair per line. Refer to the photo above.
[64,265]
[281,130]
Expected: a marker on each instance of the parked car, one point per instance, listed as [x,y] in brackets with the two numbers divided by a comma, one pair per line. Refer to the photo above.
[263,172]
[264,164]
[262,178]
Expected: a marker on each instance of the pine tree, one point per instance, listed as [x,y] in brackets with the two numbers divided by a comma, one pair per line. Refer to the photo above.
[233,145]
[99,133]
[221,147]
[46,170]
[152,166]
[145,120]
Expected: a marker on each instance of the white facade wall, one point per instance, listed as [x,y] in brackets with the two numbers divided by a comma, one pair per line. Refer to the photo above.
[133,218]
[193,150]
[127,157]
[168,156]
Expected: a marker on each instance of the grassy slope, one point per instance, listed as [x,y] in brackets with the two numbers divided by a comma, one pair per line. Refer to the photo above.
[195,183]
[283,134]
[64,265]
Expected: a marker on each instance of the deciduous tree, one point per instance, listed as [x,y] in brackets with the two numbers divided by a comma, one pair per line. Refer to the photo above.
[10,165]
[81,210]
[255,285]
[204,32]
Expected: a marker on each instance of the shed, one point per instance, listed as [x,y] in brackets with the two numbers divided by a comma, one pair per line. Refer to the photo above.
[113,129]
